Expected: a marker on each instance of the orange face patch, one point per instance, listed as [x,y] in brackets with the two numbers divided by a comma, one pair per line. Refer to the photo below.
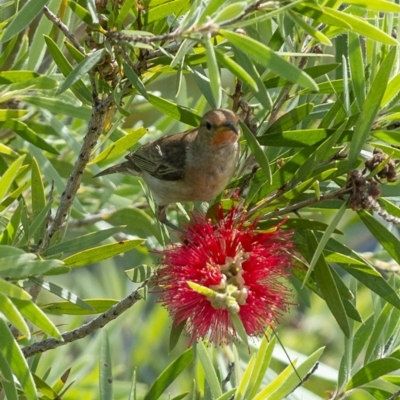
[225,135]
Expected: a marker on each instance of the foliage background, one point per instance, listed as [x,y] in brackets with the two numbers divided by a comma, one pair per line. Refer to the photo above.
[319,81]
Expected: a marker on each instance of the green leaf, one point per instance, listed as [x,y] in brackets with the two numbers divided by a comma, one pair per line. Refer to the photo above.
[13,355]
[180,113]
[386,238]
[257,151]
[235,68]
[59,107]
[139,273]
[61,292]
[120,146]
[372,371]
[83,68]
[299,138]
[269,59]
[97,306]
[331,294]
[177,7]
[288,380]
[38,196]
[308,28]
[260,367]
[7,381]
[24,17]
[13,315]
[8,177]
[25,265]
[82,13]
[23,130]
[379,5]
[169,375]
[357,68]
[78,88]
[291,118]
[100,253]
[106,378]
[82,242]
[371,107]
[231,11]
[324,240]
[34,314]
[209,370]
[12,290]
[10,114]
[175,334]
[213,73]
[135,80]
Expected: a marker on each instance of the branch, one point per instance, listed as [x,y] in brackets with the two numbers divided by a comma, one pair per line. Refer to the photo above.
[301,204]
[88,328]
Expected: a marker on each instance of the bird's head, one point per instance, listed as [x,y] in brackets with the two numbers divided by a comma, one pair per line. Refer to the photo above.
[220,127]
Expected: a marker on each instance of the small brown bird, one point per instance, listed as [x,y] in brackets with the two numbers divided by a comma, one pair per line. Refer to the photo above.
[195,165]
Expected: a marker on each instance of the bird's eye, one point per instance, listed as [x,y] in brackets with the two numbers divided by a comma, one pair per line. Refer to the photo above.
[208,125]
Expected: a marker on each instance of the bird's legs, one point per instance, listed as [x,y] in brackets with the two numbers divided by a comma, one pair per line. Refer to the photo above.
[161,215]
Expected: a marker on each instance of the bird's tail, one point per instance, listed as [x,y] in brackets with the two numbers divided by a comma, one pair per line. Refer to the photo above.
[124,168]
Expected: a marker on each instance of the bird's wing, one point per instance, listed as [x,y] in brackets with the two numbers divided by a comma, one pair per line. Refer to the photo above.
[164,158]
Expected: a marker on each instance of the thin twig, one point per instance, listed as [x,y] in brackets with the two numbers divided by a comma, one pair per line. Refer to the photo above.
[63,28]
[298,206]
[95,128]
[88,328]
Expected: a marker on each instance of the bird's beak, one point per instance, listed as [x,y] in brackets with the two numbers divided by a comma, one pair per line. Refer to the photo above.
[226,133]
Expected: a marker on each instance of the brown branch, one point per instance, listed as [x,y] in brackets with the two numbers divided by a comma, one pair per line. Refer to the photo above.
[63,28]
[88,328]
[95,128]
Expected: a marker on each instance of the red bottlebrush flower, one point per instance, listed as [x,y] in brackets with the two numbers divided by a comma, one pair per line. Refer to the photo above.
[224,269]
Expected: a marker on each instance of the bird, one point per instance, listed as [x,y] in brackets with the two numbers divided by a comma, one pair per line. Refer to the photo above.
[195,165]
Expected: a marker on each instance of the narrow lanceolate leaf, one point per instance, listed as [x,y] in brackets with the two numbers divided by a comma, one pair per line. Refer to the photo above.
[288,380]
[82,242]
[209,370]
[106,378]
[11,312]
[268,58]
[213,73]
[16,360]
[169,375]
[23,18]
[66,308]
[372,371]
[357,68]
[371,106]
[28,134]
[10,114]
[291,118]
[83,68]
[12,290]
[8,178]
[7,380]
[120,146]
[235,68]
[61,292]
[139,273]
[34,314]
[386,238]
[257,151]
[38,196]
[78,88]
[182,114]
[135,80]
[379,5]
[100,253]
